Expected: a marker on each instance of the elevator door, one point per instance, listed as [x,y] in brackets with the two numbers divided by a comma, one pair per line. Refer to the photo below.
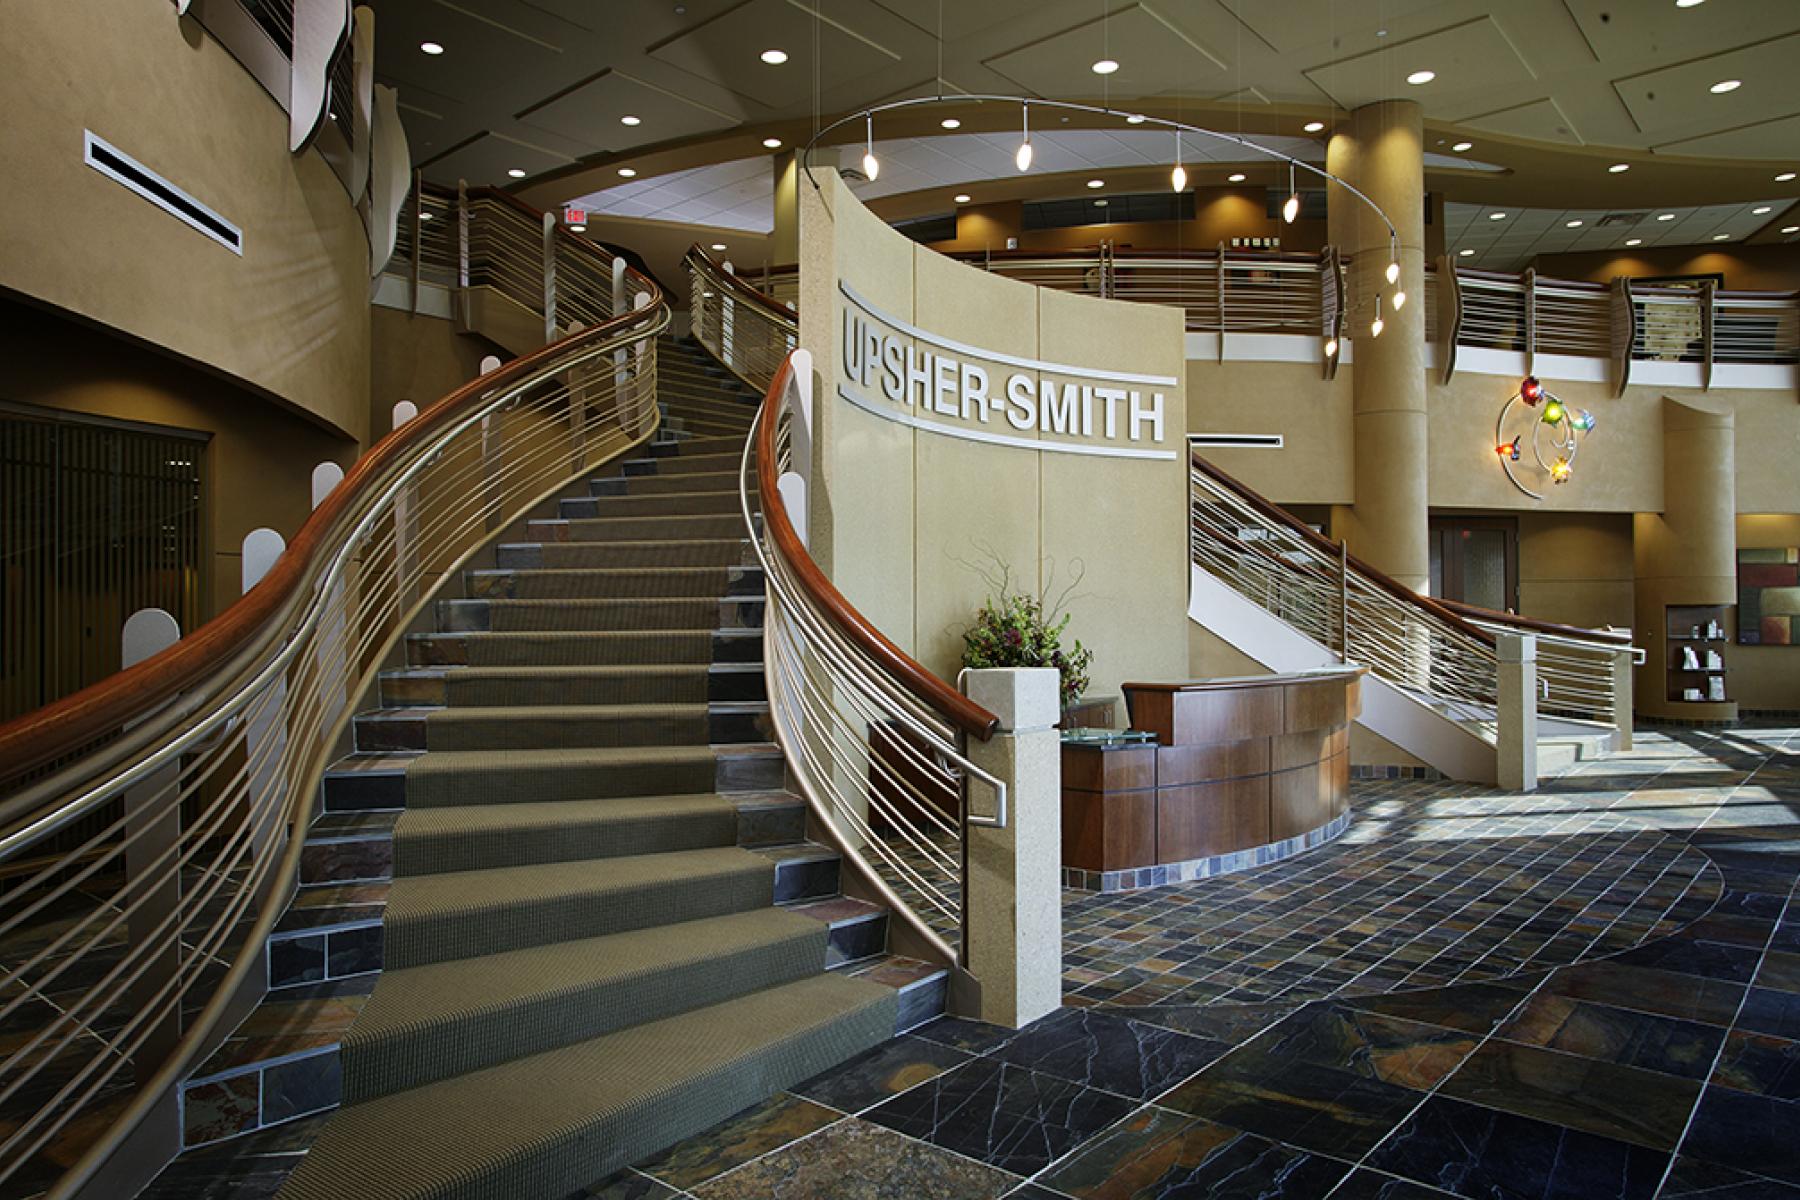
[1476,560]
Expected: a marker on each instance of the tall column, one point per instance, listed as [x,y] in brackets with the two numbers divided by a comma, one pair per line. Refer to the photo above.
[1379,150]
[784,243]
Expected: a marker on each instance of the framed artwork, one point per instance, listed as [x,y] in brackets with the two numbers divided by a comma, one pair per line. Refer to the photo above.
[1769,597]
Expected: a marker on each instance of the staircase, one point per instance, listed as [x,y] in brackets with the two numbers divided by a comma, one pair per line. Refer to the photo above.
[605,929]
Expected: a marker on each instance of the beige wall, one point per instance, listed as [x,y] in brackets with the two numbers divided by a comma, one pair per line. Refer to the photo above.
[258,463]
[417,358]
[1313,415]
[289,317]
[902,516]
[1576,568]
[1765,677]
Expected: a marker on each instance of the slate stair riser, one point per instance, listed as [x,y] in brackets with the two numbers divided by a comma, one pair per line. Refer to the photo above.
[634,529]
[580,583]
[684,504]
[651,485]
[372,790]
[713,552]
[489,687]
[483,616]
[717,646]
[723,724]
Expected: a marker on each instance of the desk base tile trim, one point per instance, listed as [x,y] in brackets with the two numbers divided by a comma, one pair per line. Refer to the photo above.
[1133,879]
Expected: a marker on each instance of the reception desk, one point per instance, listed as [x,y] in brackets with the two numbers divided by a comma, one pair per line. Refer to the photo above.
[1243,772]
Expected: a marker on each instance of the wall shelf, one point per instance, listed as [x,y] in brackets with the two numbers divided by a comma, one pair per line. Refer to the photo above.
[1694,629]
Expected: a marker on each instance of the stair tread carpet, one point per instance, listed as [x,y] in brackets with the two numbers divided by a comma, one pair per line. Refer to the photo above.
[477,837]
[548,1124]
[584,773]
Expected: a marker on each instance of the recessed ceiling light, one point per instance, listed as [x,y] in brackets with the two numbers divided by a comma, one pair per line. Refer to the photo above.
[1496,216]
[1105,66]
[1235,177]
[578,229]
[1725,85]
[1619,168]
[1100,203]
[1465,253]
[626,172]
[631,121]
[961,197]
[424,216]
[1096,183]
[1689,3]
[1721,237]
[950,123]
[774,57]
[1634,241]
[1784,228]
[431,47]
[1460,147]
[1135,119]
[772,143]
[718,245]
[1760,209]
[1784,177]
[1418,77]
[1665,216]
[1313,126]
[516,173]
[1571,224]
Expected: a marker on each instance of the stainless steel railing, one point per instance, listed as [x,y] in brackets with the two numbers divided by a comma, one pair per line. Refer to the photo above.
[122,951]
[750,333]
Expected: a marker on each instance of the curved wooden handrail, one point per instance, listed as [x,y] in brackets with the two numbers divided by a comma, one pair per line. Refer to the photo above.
[66,725]
[1576,632]
[943,699]
[739,287]
[1324,544]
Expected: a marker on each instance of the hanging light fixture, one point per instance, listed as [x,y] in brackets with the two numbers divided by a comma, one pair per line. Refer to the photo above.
[1178,177]
[1377,325]
[1023,158]
[1291,209]
[871,166]
[1393,267]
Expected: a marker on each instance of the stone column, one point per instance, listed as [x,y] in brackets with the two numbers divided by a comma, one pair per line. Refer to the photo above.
[1516,740]
[784,242]
[1013,893]
[1379,151]
[1686,554]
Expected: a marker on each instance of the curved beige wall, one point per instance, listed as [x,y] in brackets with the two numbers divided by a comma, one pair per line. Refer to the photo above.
[289,318]
[902,514]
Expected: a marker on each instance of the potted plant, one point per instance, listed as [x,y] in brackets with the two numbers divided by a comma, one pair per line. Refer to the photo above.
[1013,629]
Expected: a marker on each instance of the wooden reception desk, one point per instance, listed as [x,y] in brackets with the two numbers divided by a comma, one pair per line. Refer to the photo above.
[1244,771]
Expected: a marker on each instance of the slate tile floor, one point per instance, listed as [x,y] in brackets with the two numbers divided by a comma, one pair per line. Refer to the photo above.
[1589,992]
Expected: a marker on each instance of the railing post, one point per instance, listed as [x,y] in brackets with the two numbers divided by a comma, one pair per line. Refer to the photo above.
[549,278]
[1343,600]
[490,454]
[462,233]
[406,533]
[265,718]
[418,238]
[1709,312]
[1516,713]
[1012,889]
[1622,676]
[618,287]
[153,830]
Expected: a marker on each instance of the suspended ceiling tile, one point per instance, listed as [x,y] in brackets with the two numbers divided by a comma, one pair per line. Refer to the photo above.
[1471,58]
[1293,24]
[1675,100]
[728,49]
[960,20]
[1541,120]
[1638,32]
[590,113]
[506,50]
[1155,56]
[1777,139]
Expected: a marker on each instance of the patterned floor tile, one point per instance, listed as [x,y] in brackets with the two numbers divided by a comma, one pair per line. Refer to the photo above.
[854,1160]
[1160,1155]
[1098,1049]
[1625,1103]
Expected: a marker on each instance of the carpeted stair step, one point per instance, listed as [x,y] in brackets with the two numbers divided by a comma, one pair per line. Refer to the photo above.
[700,461]
[649,553]
[583,649]
[452,777]
[613,583]
[538,684]
[508,728]
[549,1124]
[437,841]
[638,615]
[450,1018]
[609,529]
[653,504]
[654,485]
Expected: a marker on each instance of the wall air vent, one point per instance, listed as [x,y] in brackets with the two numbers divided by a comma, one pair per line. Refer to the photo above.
[1239,441]
[120,166]
[1622,218]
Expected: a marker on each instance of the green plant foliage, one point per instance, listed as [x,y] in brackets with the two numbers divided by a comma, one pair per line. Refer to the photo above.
[1020,631]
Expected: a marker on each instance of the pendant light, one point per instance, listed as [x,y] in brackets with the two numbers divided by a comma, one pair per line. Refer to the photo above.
[1178,177]
[1331,347]
[871,166]
[1291,209]
[1393,267]
[1377,325]
[1023,158]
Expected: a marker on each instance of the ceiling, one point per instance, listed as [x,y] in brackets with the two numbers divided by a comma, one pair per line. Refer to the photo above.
[1507,239]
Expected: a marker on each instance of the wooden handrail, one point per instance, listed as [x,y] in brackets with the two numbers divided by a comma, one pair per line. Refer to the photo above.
[1494,617]
[739,287]
[1325,545]
[66,725]
[943,699]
